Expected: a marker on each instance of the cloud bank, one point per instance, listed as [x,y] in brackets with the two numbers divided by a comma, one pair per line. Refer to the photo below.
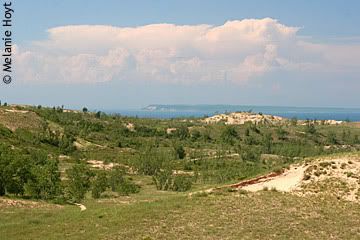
[236,52]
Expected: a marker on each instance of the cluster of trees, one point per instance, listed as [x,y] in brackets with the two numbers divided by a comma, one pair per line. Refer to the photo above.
[159,165]
[35,174]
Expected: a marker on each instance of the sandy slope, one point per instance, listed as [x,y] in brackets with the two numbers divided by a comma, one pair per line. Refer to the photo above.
[285,182]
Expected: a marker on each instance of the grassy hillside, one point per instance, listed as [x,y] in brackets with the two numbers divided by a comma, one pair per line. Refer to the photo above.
[134,176]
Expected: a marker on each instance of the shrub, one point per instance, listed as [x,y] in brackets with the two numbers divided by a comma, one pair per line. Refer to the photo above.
[331,138]
[150,161]
[182,183]
[179,151]
[78,182]
[163,179]
[120,184]
[45,180]
[99,184]
[228,135]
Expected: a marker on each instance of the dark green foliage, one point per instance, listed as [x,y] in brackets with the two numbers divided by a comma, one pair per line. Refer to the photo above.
[181,183]
[98,114]
[250,140]
[267,143]
[250,154]
[163,179]
[34,174]
[85,110]
[210,150]
[15,172]
[50,137]
[179,151]
[356,139]
[151,161]
[247,132]
[78,183]
[206,136]
[145,131]
[120,184]
[229,135]
[99,184]
[66,144]
[182,132]
[331,138]
[195,135]
[253,127]
[346,136]
[281,133]
[44,182]
[5,132]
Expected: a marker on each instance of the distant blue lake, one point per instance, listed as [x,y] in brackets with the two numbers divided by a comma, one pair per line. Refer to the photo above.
[186,111]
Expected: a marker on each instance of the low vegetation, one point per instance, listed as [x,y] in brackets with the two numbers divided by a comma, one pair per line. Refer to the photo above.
[57,157]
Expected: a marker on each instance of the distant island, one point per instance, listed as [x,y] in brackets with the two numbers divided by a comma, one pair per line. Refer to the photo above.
[199,110]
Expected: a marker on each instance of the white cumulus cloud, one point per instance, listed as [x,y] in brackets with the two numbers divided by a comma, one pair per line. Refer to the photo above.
[236,51]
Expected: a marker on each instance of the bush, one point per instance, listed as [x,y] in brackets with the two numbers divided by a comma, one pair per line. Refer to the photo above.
[249,154]
[45,181]
[331,138]
[182,183]
[99,184]
[163,179]
[179,151]
[78,182]
[228,135]
[182,132]
[127,187]
[66,144]
[150,162]
[120,184]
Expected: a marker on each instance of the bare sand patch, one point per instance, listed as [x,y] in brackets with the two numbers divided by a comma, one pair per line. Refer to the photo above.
[285,182]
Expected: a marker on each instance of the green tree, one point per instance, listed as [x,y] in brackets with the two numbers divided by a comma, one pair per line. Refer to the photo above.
[99,184]
[45,180]
[78,184]
[16,173]
[151,161]
[195,135]
[120,184]
[182,132]
[250,154]
[228,135]
[267,142]
[181,183]
[66,144]
[85,110]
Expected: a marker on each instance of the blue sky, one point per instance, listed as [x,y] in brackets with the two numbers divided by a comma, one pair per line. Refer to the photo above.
[307,40]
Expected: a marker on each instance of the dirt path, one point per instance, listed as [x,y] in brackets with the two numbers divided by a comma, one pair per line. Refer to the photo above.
[81,206]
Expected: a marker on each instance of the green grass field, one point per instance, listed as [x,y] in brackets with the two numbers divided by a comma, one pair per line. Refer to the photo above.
[263,215]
